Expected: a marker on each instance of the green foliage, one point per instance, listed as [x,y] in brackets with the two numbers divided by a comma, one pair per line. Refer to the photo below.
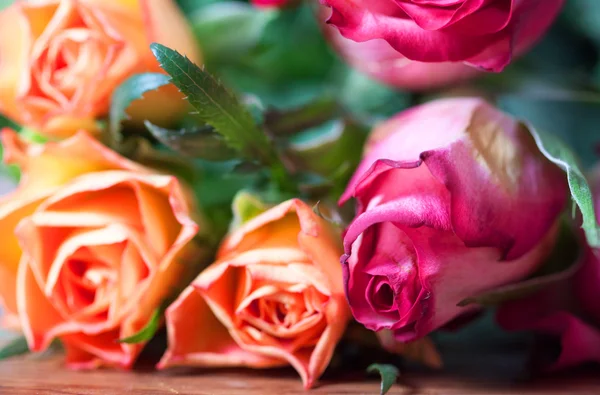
[130,90]
[14,348]
[216,106]
[201,143]
[228,30]
[389,374]
[560,154]
[5,3]
[147,332]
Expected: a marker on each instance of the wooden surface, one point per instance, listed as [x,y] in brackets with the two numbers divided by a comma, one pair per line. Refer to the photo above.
[46,375]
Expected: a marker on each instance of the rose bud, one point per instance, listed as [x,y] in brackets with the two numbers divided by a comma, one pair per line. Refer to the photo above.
[484,34]
[62,60]
[568,311]
[274,297]
[453,199]
[92,246]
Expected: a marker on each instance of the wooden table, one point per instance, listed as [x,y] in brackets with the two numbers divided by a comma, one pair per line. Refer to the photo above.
[45,375]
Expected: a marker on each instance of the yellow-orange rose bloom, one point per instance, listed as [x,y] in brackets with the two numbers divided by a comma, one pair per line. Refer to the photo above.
[92,245]
[273,297]
[61,60]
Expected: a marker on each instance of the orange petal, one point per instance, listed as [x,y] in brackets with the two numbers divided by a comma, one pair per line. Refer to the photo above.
[272,228]
[11,213]
[39,319]
[14,47]
[65,126]
[46,166]
[197,337]
[90,351]
[165,24]
[323,244]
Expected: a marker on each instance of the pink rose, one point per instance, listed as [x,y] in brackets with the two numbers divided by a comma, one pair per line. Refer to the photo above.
[482,33]
[453,199]
[379,60]
[570,310]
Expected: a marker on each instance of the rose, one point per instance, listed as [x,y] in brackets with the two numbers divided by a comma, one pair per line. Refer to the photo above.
[379,60]
[102,241]
[62,60]
[453,199]
[482,33]
[273,297]
[568,310]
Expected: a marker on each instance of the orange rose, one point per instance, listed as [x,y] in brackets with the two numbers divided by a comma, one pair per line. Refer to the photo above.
[60,60]
[274,297]
[101,244]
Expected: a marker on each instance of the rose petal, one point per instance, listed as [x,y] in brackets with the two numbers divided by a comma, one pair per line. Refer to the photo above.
[14,46]
[362,23]
[213,346]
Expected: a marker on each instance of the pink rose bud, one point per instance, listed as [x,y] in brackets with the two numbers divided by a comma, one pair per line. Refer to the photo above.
[569,311]
[453,199]
[485,34]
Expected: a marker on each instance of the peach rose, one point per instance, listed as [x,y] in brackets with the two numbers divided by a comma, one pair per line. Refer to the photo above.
[60,60]
[273,297]
[101,241]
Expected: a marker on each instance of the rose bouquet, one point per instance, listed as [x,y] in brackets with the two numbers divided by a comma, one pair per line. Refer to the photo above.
[317,209]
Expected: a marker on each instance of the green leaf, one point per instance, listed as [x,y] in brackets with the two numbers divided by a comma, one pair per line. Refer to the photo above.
[216,106]
[32,135]
[212,25]
[11,171]
[8,123]
[201,143]
[147,332]
[563,262]
[560,154]
[16,347]
[190,6]
[130,90]
[246,206]
[289,122]
[165,161]
[389,374]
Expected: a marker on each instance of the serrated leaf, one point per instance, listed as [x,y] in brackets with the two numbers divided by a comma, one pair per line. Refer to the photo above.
[147,332]
[130,90]
[200,143]
[561,155]
[563,262]
[389,374]
[216,106]
[16,347]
